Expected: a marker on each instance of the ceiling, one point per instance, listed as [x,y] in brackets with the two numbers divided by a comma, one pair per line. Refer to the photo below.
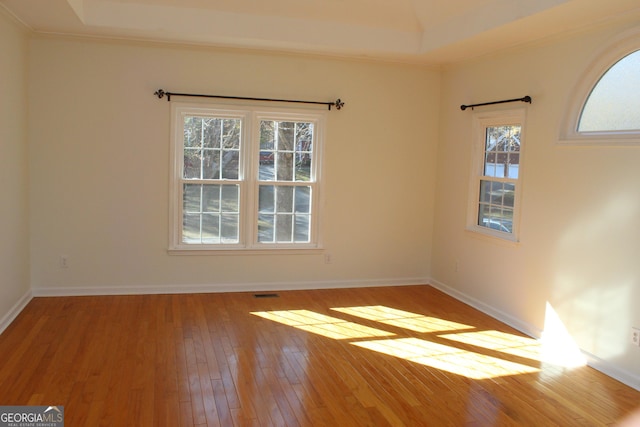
[420,31]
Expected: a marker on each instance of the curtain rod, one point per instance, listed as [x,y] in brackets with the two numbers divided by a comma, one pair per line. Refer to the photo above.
[161,93]
[523,99]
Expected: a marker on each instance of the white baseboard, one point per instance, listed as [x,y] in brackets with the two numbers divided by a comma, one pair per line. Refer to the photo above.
[613,371]
[216,288]
[596,363]
[15,310]
[524,327]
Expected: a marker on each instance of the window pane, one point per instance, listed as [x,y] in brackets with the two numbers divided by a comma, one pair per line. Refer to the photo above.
[267,170]
[303,167]
[509,195]
[191,198]
[266,225]
[286,132]
[506,220]
[229,232]
[496,193]
[485,191]
[211,164]
[231,134]
[284,228]
[191,228]
[230,164]
[267,135]
[303,200]
[304,137]
[266,199]
[490,164]
[512,165]
[211,198]
[302,228]
[484,215]
[211,228]
[613,104]
[284,162]
[210,133]
[284,199]
[192,131]
[230,198]
[192,164]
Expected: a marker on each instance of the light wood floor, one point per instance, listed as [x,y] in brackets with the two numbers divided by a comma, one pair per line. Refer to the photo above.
[356,357]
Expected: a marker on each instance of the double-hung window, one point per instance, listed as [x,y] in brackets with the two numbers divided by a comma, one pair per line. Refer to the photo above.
[244,179]
[495,179]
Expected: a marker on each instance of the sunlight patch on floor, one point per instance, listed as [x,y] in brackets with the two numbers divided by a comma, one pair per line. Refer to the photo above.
[403,319]
[557,345]
[454,360]
[556,349]
[500,341]
[321,324]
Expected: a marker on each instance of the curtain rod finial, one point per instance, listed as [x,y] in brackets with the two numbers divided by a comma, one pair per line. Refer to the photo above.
[339,104]
[159,93]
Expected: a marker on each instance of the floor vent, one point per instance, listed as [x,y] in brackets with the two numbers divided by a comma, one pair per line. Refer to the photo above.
[266,295]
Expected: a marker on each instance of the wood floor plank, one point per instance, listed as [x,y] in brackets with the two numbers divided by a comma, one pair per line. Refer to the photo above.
[213,360]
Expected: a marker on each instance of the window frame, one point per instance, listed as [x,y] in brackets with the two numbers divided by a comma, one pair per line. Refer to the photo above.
[248,180]
[622,46]
[482,121]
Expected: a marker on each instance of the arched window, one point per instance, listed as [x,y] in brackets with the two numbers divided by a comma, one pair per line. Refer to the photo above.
[605,108]
[614,103]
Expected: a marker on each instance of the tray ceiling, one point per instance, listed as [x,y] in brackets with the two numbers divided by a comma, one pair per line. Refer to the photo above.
[423,31]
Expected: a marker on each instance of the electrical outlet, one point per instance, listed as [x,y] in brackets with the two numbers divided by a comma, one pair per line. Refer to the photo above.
[635,336]
[327,258]
[456,266]
[64,261]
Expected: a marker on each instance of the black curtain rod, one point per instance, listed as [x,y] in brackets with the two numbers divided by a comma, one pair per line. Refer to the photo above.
[523,99]
[161,93]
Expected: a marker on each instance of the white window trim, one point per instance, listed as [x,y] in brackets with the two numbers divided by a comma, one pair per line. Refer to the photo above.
[248,244]
[481,120]
[621,46]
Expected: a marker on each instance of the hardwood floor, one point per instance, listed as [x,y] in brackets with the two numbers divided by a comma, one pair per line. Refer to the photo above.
[401,356]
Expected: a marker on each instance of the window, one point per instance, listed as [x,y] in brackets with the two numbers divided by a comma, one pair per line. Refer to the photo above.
[244,179]
[613,105]
[603,109]
[495,183]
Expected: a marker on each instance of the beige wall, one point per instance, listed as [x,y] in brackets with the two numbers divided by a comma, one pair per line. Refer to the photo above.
[580,238]
[100,156]
[14,186]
